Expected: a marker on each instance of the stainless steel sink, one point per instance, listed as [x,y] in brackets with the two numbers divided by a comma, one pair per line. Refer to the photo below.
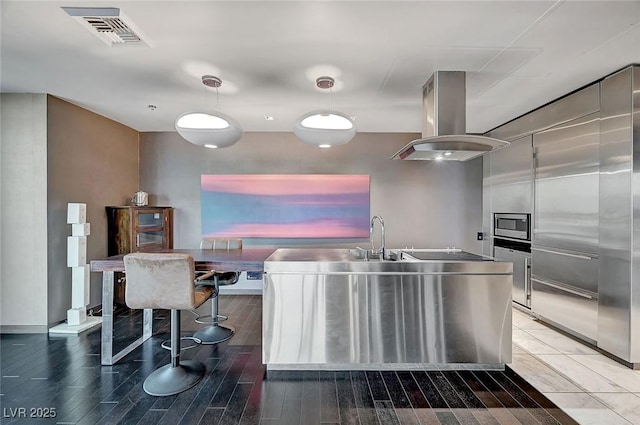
[374,255]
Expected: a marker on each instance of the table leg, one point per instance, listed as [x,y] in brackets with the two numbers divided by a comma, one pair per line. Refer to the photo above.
[107,318]
[108,357]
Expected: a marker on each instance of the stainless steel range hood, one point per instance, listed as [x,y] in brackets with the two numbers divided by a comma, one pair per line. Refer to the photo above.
[444,123]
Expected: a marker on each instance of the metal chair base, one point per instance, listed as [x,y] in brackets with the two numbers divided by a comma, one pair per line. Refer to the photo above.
[209,319]
[195,343]
[170,380]
[214,334]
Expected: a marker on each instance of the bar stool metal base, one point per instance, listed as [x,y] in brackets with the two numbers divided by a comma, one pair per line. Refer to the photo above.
[170,380]
[214,334]
[209,319]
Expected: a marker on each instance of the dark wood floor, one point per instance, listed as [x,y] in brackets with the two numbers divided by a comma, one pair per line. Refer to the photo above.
[41,373]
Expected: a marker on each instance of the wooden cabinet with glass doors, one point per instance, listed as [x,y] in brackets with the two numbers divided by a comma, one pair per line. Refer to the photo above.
[137,229]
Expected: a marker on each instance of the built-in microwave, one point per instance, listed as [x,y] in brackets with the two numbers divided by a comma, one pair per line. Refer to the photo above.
[514,226]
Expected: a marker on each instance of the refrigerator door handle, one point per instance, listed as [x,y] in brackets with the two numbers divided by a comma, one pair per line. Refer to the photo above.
[562,288]
[527,282]
[551,251]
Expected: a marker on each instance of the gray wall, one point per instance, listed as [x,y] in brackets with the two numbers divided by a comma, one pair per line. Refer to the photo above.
[54,153]
[23,212]
[424,204]
[91,160]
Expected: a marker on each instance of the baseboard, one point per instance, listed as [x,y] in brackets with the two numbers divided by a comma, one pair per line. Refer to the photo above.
[24,329]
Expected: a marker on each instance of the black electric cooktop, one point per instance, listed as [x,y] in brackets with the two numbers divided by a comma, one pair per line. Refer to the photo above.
[447,256]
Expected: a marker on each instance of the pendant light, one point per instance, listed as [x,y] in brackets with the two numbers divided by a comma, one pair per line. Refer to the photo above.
[325,128]
[211,130]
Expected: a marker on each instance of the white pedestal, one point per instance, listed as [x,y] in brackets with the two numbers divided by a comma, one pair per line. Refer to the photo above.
[64,328]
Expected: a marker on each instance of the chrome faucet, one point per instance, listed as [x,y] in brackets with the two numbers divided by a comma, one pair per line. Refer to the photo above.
[380,251]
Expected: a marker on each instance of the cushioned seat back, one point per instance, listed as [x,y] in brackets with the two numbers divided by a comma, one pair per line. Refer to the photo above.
[220,243]
[159,280]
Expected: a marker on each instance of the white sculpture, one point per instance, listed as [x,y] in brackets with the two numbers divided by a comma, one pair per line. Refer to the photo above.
[77,320]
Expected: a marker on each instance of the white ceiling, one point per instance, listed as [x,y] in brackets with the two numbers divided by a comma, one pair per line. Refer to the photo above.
[518,55]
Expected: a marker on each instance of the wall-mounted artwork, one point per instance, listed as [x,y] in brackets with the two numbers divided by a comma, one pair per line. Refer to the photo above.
[285,205]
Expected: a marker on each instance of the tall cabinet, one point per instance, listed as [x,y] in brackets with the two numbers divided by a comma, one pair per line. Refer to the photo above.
[509,178]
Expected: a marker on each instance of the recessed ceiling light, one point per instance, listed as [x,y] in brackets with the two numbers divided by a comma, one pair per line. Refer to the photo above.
[324,146]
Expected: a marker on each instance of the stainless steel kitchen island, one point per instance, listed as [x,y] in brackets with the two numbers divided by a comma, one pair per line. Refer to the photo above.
[326,309]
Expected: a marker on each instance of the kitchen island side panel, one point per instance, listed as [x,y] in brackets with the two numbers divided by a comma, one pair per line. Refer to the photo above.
[401,320]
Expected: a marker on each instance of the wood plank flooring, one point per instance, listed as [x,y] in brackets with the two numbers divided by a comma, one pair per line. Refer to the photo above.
[42,374]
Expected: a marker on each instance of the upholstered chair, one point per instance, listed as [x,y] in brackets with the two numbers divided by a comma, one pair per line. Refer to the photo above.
[216,333]
[166,281]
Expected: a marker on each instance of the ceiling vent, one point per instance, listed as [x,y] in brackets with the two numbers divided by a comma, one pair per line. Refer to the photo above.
[108,24]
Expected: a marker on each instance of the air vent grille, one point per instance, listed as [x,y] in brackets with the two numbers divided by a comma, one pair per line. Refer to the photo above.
[108,24]
[114,28]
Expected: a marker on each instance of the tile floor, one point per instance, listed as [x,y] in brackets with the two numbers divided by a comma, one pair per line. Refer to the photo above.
[588,386]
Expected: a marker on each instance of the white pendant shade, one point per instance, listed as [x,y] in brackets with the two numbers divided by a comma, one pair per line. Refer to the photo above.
[325,128]
[215,130]
[202,122]
[327,121]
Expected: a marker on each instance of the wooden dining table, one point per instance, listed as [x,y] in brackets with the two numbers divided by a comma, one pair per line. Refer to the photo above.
[234,260]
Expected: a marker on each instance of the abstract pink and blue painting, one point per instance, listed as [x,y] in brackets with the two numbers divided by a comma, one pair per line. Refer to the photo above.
[285,205]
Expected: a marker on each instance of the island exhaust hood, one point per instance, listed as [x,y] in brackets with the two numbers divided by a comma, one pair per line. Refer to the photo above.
[444,124]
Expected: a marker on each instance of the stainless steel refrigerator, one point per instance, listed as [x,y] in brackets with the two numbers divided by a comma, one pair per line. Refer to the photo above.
[564,263]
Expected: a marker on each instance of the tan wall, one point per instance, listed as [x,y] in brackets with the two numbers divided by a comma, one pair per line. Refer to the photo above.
[424,204]
[23,212]
[91,160]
